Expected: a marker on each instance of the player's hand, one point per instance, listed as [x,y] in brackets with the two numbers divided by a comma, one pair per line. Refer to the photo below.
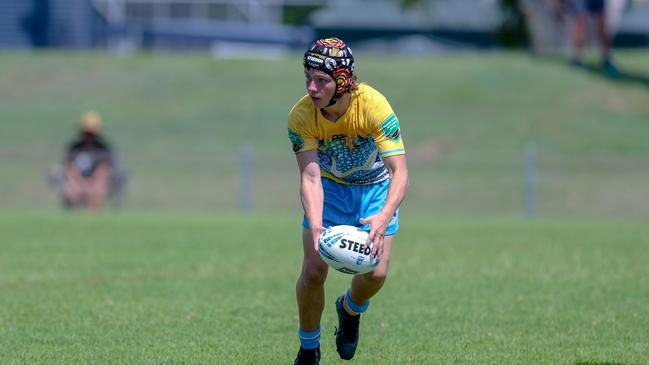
[378,225]
[316,232]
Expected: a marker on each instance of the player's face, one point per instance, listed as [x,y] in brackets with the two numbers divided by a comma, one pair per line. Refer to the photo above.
[320,86]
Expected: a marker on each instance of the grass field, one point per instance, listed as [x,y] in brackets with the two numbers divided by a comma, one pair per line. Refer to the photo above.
[219,289]
[180,277]
[180,121]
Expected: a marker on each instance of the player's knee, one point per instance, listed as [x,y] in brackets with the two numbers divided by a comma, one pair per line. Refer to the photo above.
[377,276]
[314,274]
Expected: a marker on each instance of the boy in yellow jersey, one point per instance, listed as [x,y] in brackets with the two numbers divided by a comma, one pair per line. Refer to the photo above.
[352,164]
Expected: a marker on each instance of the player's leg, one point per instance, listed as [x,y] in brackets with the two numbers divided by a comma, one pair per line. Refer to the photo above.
[365,286]
[355,301]
[339,207]
[310,285]
[310,301]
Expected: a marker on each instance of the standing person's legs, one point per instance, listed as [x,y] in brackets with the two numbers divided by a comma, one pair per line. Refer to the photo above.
[597,9]
[578,27]
[603,35]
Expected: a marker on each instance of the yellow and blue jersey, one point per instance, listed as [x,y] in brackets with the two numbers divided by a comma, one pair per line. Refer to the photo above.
[350,150]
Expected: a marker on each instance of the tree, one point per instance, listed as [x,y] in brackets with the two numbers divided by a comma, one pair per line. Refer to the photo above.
[513,29]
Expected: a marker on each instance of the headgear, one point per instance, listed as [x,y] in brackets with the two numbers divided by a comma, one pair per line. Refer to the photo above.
[333,57]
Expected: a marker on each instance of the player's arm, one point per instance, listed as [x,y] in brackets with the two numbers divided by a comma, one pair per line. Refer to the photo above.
[399,181]
[311,192]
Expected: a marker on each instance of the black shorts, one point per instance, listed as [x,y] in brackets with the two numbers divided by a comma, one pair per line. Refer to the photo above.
[587,6]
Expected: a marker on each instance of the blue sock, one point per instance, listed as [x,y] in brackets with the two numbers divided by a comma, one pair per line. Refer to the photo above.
[357,308]
[309,340]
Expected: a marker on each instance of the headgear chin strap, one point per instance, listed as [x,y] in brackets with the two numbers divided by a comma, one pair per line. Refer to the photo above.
[333,57]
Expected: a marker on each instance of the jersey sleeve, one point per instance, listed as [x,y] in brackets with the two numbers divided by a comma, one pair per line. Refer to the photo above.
[385,128]
[301,137]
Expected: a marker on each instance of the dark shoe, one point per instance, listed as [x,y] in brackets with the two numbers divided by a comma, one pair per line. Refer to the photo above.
[610,69]
[308,357]
[347,331]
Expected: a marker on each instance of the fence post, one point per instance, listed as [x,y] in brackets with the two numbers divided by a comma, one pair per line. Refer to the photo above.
[529,180]
[247,156]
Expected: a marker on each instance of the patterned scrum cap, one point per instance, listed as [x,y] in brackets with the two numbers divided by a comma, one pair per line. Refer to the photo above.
[333,57]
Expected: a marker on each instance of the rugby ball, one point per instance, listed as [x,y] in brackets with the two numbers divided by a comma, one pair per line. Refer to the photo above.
[344,249]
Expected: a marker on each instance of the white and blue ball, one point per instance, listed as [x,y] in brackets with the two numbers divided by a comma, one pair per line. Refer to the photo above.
[345,248]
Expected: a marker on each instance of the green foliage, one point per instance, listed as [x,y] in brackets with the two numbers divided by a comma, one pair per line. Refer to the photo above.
[219,289]
[409,3]
[298,15]
[513,31]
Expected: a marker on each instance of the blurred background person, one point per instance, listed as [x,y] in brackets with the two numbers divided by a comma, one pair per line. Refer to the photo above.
[37,23]
[579,12]
[91,171]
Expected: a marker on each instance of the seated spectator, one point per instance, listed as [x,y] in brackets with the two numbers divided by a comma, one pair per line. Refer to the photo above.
[91,172]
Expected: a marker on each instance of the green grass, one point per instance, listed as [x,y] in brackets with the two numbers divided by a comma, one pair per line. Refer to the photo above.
[209,286]
[180,121]
[219,289]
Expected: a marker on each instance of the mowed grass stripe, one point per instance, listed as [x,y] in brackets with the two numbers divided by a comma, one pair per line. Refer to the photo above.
[219,289]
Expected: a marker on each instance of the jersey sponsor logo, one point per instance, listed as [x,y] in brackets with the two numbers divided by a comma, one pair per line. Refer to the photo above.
[390,128]
[296,140]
